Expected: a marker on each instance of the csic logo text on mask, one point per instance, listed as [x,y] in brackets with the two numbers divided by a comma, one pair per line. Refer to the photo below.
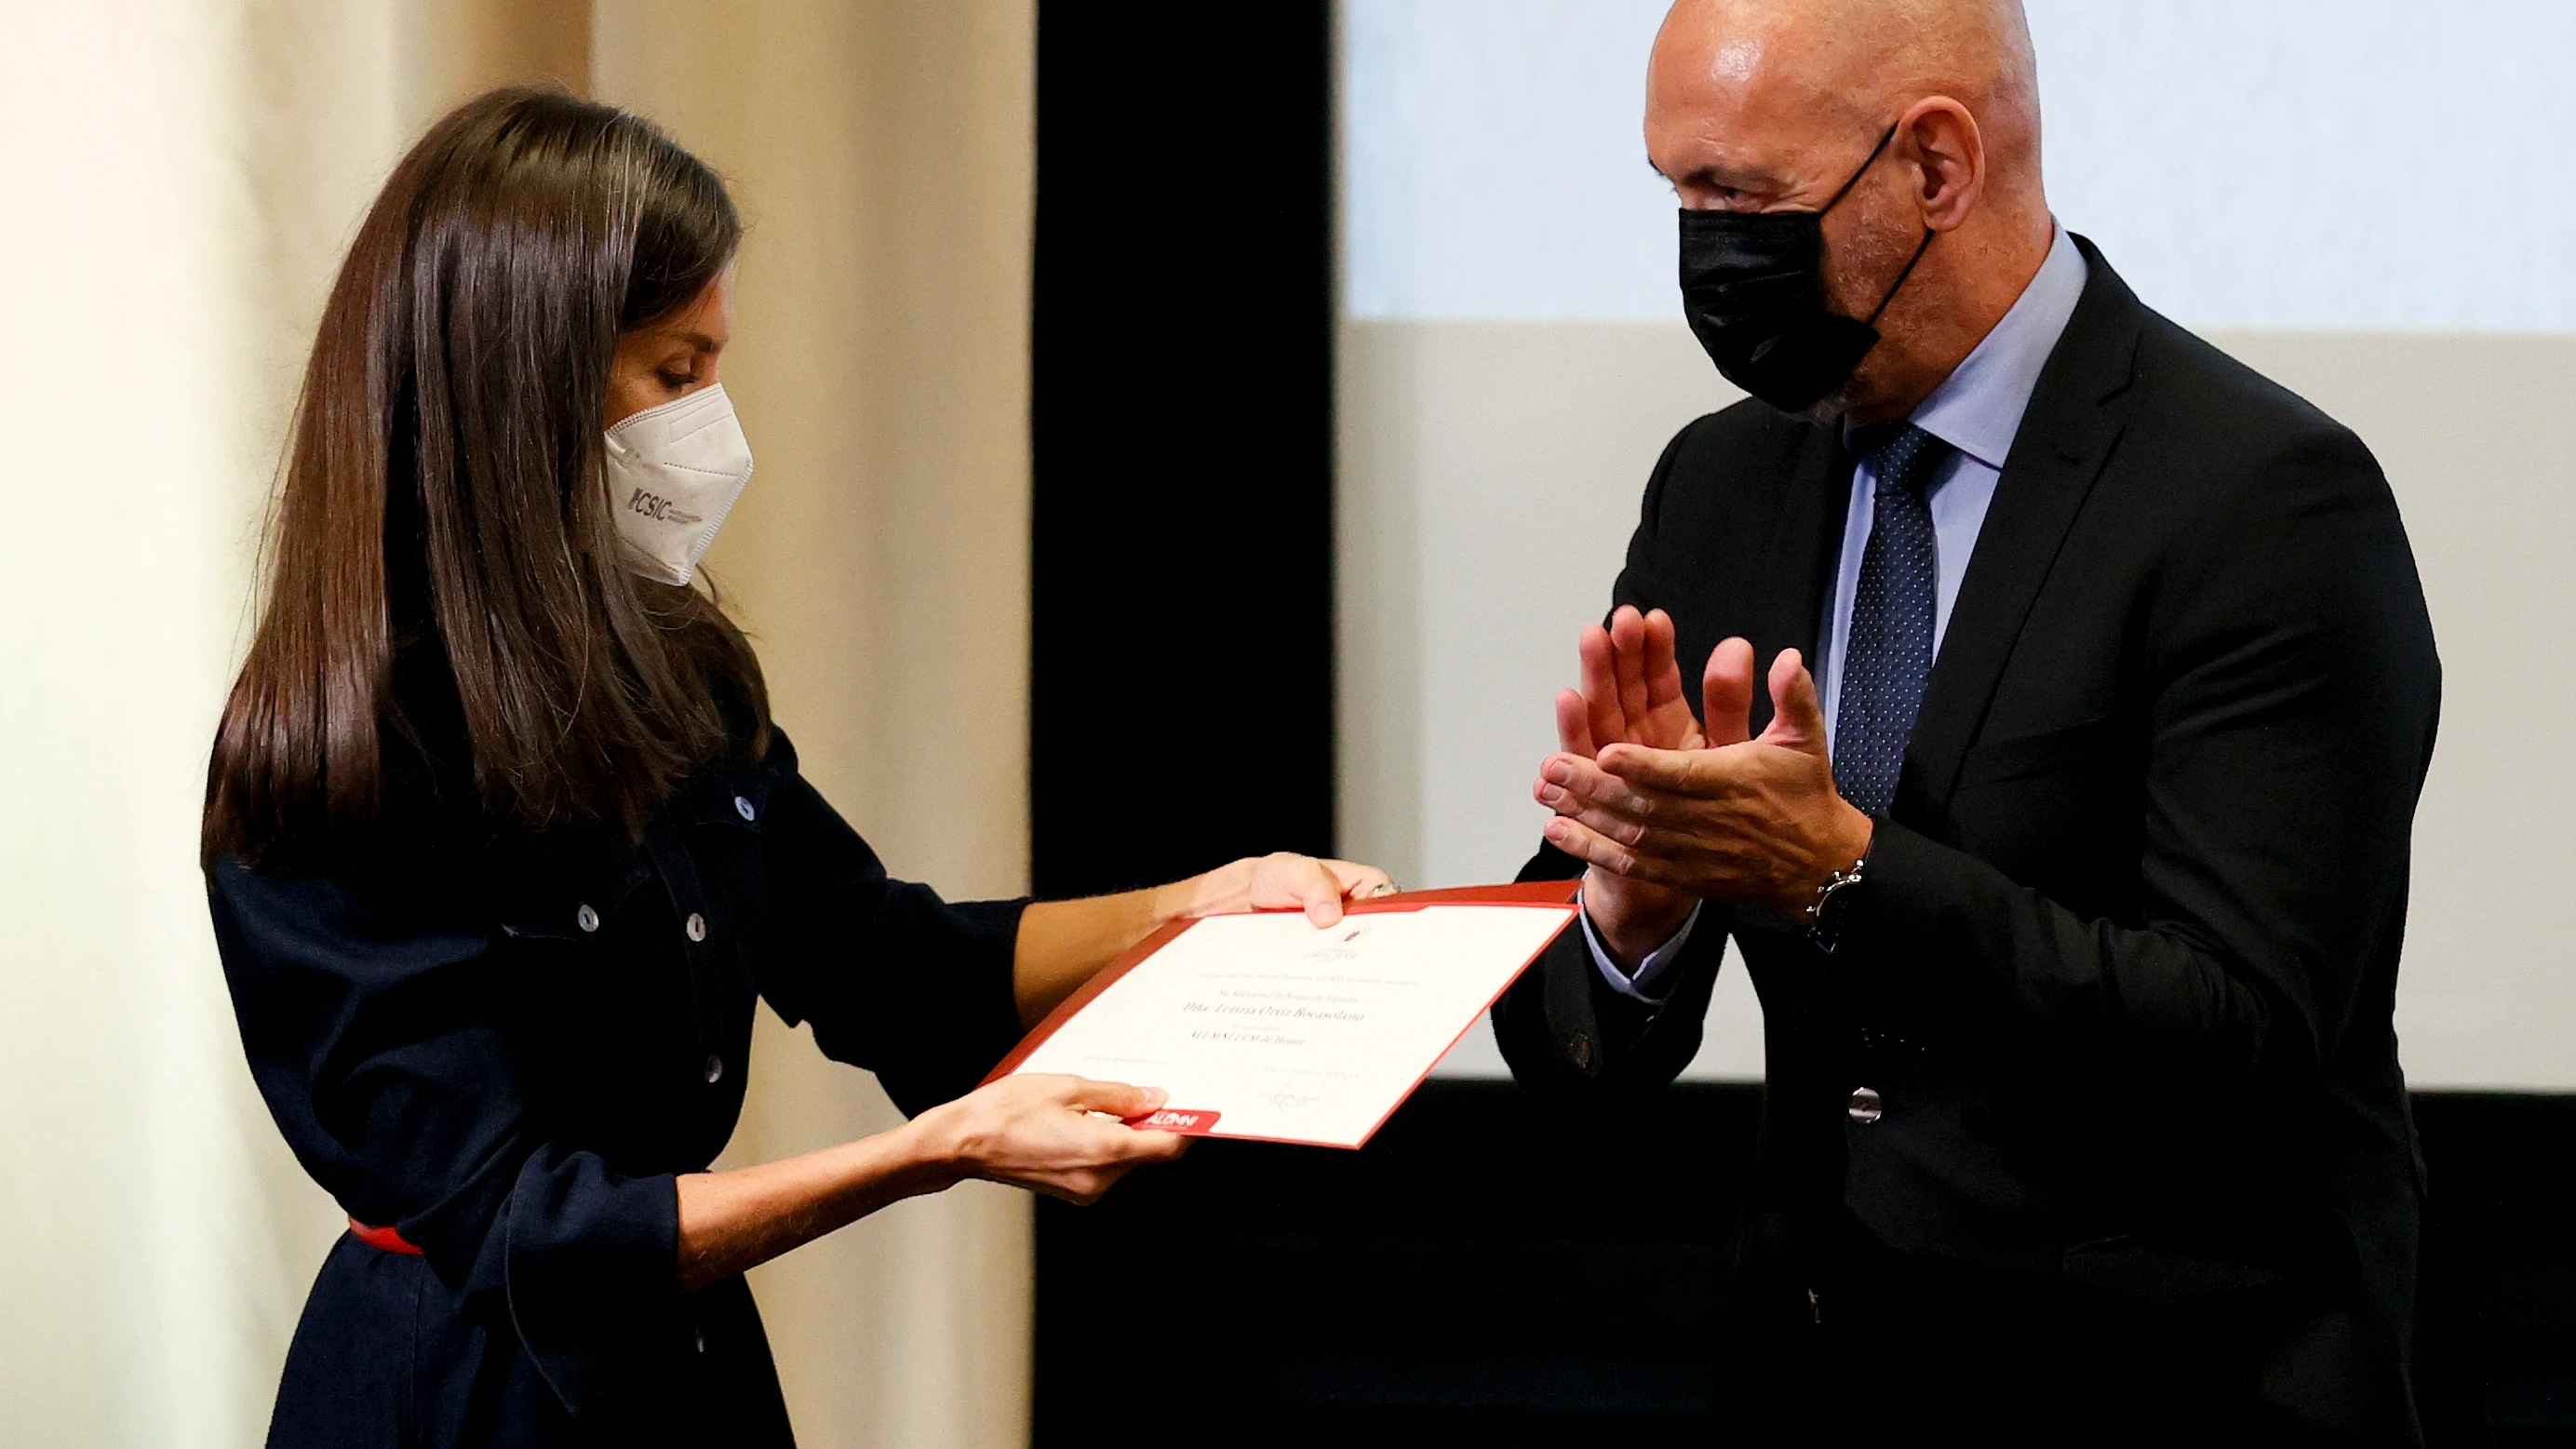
[658,508]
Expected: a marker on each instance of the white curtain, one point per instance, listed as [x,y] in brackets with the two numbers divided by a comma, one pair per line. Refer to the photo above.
[179,179]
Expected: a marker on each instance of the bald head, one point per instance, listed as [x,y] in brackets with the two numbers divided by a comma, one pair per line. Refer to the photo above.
[1773,105]
[1737,87]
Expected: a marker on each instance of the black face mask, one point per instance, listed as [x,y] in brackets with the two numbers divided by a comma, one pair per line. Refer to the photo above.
[1753,287]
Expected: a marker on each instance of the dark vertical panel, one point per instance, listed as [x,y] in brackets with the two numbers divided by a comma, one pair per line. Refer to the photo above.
[1181,690]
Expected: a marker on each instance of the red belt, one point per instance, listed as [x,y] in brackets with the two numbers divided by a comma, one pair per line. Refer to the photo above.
[385,1238]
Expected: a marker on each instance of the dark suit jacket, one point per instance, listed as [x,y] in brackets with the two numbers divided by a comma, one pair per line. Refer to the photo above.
[2123,965]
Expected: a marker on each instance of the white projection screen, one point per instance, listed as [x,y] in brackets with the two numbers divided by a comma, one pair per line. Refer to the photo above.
[2370,201]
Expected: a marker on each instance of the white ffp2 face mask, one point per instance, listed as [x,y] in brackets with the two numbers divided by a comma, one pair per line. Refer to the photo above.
[674,472]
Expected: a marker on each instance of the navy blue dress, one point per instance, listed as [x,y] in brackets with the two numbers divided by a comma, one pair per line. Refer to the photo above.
[507,1051]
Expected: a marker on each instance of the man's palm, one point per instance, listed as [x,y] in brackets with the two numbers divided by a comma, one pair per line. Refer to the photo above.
[1632,690]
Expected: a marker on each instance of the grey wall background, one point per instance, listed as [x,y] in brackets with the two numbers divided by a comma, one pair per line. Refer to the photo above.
[2354,197]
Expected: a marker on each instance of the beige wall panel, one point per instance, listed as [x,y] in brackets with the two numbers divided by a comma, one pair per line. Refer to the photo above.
[457,48]
[1491,474]
[198,169]
[113,579]
[881,154]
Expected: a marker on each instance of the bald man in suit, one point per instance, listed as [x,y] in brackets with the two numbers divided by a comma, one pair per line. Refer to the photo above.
[2065,836]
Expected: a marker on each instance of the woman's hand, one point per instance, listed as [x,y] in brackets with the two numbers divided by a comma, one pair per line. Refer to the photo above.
[1057,1135]
[1276,882]
[1034,1132]
[1062,943]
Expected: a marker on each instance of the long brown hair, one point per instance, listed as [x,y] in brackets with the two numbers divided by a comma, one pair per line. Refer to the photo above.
[444,489]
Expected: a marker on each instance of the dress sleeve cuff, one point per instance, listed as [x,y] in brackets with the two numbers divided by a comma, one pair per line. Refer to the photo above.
[591,1264]
[1638,985]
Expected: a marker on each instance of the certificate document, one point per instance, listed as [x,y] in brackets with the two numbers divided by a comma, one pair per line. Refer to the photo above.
[1262,1026]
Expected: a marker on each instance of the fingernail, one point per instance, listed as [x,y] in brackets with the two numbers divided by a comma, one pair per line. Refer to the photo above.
[1550,795]
[1155,1097]
[1555,831]
[1558,772]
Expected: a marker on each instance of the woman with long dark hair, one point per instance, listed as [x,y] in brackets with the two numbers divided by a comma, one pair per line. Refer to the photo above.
[503,848]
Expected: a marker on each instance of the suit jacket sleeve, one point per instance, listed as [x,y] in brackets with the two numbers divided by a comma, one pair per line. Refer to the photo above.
[1565,1034]
[2293,689]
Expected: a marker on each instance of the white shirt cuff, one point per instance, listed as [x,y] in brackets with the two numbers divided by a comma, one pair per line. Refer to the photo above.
[1637,985]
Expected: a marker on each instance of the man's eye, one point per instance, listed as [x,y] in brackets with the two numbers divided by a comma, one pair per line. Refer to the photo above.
[676,380]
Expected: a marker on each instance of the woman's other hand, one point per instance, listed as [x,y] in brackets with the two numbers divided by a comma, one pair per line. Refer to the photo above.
[1062,1136]
[1063,943]
[1041,1133]
[1277,882]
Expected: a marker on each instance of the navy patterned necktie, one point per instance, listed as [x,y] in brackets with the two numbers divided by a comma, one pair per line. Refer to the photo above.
[1889,656]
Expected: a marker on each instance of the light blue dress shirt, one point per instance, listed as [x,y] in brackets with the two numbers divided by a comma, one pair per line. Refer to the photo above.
[1976,410]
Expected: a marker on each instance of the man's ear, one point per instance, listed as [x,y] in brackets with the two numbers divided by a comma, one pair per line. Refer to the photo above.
[1947,152]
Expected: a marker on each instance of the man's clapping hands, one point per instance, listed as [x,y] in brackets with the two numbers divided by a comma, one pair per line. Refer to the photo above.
[1667,811]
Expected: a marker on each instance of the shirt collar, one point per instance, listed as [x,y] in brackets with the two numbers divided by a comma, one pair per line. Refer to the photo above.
[1977,409]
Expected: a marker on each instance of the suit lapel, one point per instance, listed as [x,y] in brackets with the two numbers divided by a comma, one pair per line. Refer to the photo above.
[1806,538]
[2066,436]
